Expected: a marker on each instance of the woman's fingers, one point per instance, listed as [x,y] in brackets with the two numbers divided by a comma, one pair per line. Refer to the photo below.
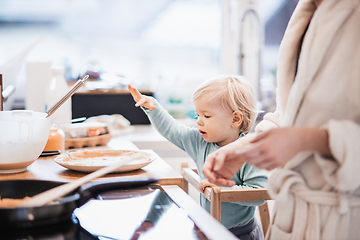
[219,160]
[214,162]
[208,168]
[255,155]
[224,182]
[261,155]
[268,150]
[216,177]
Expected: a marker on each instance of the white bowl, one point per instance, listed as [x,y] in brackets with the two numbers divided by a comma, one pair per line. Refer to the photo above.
[23,136]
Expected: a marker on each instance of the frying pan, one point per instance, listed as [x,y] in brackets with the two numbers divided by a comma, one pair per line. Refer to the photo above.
[59,211]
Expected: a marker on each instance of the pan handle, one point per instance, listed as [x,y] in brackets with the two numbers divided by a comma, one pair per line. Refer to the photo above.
[92,189]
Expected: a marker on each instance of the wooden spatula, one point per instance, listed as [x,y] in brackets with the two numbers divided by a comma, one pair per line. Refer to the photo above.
[57,192]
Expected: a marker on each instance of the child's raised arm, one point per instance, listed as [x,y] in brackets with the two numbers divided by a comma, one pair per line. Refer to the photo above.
[141,100]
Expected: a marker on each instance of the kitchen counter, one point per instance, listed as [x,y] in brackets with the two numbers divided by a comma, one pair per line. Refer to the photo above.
[188,217]
[145,136]
[45,168]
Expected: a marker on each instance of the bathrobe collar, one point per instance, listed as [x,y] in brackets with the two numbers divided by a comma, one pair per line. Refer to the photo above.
[325,23]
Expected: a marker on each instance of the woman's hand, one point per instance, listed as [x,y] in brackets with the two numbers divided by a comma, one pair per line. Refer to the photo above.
[141,100]
[273,148]
[276,147]
[268,150]
[222,164]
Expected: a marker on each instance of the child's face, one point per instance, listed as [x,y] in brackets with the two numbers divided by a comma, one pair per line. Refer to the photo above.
[215,123]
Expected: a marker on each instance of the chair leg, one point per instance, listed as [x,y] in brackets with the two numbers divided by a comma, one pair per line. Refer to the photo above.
[215,209]
[264,217]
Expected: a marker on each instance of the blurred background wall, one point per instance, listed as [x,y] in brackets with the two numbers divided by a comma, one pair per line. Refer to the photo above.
[165,46]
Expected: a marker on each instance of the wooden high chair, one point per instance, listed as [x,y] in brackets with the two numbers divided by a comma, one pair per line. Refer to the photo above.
[216,196]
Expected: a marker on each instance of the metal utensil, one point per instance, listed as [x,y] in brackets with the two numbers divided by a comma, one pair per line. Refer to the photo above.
[57,192]
[75,87]
[5,93]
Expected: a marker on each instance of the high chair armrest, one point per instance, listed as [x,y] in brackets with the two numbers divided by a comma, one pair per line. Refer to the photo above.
[191,177]
[243,195]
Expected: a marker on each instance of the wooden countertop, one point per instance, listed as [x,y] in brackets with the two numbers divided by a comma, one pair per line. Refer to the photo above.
[45,168]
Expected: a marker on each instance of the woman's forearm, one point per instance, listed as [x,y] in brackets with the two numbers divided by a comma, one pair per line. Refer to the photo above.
[315,139]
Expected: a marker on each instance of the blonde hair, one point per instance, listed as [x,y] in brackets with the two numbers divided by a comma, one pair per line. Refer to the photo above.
[234,93]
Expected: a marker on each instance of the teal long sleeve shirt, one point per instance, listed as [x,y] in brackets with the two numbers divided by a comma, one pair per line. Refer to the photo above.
[233,214]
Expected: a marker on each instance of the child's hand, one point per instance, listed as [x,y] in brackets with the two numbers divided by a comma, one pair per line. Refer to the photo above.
[204,184]
[141,100]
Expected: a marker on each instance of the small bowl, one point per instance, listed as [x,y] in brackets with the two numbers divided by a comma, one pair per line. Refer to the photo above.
[23,136]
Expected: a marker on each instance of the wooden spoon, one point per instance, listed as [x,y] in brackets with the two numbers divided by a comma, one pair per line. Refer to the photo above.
[50,195]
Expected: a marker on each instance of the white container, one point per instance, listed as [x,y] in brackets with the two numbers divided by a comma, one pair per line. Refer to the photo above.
[23,135]
[56,89]
[38,75]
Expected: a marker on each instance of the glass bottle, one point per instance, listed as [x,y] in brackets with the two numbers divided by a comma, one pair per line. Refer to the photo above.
[56,140]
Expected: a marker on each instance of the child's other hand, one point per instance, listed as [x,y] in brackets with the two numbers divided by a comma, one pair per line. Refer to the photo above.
[141,100]
[204,184]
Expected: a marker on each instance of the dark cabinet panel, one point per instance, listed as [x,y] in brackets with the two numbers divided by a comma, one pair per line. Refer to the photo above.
[89,105]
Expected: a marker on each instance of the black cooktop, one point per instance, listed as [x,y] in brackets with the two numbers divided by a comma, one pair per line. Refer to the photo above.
[68,230]
[152,215]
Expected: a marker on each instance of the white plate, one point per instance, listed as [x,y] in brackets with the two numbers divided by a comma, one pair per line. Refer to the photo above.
[91,160]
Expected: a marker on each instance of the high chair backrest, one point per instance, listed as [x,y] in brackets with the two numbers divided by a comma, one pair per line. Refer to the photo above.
[216,196]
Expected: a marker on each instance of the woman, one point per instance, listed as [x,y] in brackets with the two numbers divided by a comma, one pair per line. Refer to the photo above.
[313,138]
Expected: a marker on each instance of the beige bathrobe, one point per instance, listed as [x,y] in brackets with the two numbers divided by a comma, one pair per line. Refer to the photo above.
[318,197]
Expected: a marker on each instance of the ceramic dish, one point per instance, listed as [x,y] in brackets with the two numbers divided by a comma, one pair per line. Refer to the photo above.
[91,160]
